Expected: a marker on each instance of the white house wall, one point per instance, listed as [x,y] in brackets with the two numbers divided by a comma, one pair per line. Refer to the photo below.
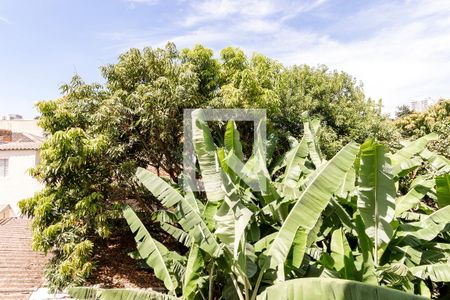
[18,184]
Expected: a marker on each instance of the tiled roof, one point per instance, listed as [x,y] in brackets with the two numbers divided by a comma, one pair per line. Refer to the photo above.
[22,141]
[20,267]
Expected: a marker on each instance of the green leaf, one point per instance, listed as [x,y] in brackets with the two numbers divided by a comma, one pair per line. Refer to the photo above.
[191,221]
[376,196]
[232,140]
[311,131]
[295,159]
[342,255]
[298,247]
[179,234]
[443,190]
[438,162]
[365,244]
[207,157]
[194,268]
[152,252]
[401,160]
[190,217]
[88,293]
[348,184]
[166,194]
[331,289]
[265,242]
[312,202]
[428,228]
[436,272]
[419,188]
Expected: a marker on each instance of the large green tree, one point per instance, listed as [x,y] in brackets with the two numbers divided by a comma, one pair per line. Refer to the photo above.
[99,134]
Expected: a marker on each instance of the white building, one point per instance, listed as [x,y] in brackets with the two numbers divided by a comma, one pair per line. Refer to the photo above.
[19,151]
[421,105]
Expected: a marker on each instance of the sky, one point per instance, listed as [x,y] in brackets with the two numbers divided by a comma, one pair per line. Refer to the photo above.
[399,50]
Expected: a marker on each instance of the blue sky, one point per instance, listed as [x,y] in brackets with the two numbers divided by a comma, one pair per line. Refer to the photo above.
[400,50]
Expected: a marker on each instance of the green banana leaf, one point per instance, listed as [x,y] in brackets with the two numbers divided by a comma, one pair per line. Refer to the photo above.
[401,160]
[436,272]
[312,202]
[443,190]
[232,140]
[194,269]
[376,197]
[166,194]
[331,289]
[150,250]
[190,217]
[428,228]
[438,162]
[205,150]
[311,131]
[89,293]
[342,255]
[418,189]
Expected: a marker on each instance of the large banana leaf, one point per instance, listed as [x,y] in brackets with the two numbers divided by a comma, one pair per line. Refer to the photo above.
[231,218]
[151,251]
[312,202]
[207,157]
[232,140]
[428,228]
[436,272]
[419,188]
[190,217]
[376,197]
[311,131]
[438,162]
[166,194]
[367,268]
[193,222]
[401,160]
[179,234]
[342,255]
[90,293]
[194,268]
[331,289]
[348,184]
[295,158]
[443,190]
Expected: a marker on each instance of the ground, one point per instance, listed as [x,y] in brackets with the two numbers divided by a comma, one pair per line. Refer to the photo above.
[115,268]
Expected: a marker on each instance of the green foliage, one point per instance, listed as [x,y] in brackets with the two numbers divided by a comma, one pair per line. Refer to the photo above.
[334,221]
[403,110]
[99,134]
[435,119]
[334,289]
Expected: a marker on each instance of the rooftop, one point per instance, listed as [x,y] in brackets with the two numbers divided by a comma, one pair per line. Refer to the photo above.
[22,141]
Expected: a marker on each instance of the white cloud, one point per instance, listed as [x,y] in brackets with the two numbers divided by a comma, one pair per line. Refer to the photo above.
[399,50]
[4,20]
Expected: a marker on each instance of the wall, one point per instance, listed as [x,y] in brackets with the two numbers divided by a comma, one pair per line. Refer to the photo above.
[18,184]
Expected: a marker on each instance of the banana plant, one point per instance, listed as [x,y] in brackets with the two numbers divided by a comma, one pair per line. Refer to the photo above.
[342,221]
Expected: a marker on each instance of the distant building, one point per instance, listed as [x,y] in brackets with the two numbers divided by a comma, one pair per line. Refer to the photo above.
[19,151]
[421,105]
[12,117]
[11,122]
